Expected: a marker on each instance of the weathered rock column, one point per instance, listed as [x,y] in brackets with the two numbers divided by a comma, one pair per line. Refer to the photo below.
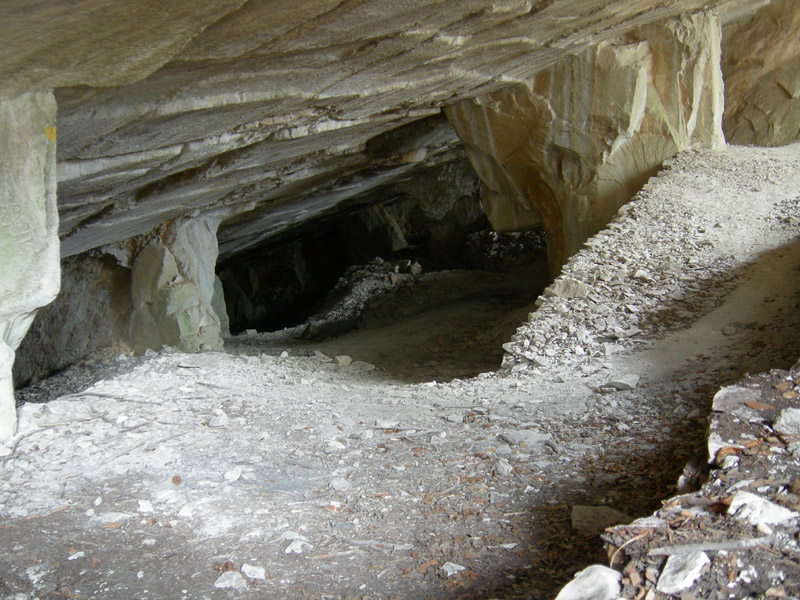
[567,148]
[29,248]
[175,291]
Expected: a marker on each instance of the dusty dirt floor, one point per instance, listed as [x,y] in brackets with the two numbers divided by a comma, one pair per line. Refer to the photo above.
[395,461]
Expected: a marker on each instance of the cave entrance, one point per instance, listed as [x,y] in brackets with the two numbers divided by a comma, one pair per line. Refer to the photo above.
[421,290]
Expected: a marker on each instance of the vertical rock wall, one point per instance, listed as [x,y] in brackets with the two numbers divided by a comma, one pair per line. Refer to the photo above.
[761,65]
[92,311]
[570,146]
[29,256]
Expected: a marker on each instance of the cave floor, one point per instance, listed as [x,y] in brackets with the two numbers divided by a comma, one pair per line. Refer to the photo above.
[277,470]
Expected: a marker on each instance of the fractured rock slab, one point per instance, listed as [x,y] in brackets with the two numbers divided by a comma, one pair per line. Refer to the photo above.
[681,571]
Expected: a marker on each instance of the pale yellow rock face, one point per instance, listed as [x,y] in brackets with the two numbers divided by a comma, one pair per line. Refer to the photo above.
[568,147]
[761,64]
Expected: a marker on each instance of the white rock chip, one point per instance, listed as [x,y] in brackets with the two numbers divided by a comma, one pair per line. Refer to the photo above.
[592,520]
[758,511]
[788,422]
[219,421]
[254,572]
[293,535]
[567,288]
[297,547]
[360,365]
[449,569]
[299,542]
[593,583]
[322,357]
[335,446]
[232,580]
[503,450]
[503,467]
[233,475]
[681,571]
[623,382]
[794,449]
[112,517]
[716,443]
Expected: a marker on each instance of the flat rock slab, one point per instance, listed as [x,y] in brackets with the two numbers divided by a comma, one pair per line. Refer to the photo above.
[733,397]
[759,511]
[681,571]
[525,436]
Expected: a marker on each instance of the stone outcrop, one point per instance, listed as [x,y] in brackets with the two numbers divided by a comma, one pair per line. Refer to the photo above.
[761,64]
[568,147]
[173,287]
[29,260]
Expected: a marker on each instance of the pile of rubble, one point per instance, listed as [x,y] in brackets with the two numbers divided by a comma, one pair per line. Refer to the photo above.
[737,537]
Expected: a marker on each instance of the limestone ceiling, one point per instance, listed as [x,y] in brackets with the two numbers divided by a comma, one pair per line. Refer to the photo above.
[263,110]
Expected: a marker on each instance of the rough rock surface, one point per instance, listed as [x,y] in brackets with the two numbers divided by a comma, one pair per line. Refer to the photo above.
[644,290]
[173,289]
[738,533]
[761,66]
[571,145]
[29,258]
[91,312]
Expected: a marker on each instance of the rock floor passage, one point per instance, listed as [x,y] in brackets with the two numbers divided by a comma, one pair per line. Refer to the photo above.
[285,468]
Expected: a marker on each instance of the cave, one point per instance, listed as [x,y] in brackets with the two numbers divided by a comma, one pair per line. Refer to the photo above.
[388,300]
[418,249]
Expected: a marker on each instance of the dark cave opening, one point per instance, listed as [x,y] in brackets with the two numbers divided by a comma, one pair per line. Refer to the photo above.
[294,279]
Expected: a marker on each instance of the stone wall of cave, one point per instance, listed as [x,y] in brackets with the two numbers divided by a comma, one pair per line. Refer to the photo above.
[174,168]
[91,312]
